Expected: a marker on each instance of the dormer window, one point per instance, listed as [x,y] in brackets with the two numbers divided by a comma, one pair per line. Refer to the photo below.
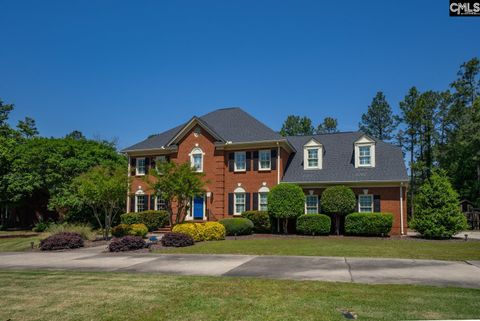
[312,155]
[196,159]
[365,152]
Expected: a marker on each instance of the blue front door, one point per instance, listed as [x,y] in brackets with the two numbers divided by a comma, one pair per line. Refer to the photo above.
[198,208]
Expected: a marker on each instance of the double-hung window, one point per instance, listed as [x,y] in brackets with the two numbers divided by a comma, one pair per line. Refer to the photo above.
[312,157]
[365,203]
[141,203]
[160,204]
[239,203]
[365,156]
[264,160]
[240,161]
[140,166]
[311,204]
[263,201]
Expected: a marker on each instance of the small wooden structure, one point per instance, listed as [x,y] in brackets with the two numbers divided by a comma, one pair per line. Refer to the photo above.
[472,214]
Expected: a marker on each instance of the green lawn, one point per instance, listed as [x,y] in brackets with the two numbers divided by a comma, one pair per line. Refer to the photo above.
[18,243]
[42,295]
[339,246]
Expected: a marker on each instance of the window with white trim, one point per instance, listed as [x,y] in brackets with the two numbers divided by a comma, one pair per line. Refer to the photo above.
[263,201]
[140,166]
[311,204]
[140,203]
[196,159]
[239,203]
[365,203]
[364,155]
[312,155]
[160,204]
[264,160]
[240,164]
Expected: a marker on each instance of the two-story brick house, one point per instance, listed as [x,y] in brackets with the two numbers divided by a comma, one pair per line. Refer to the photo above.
[243,159]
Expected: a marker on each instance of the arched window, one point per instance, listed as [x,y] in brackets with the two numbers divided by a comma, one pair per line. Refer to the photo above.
[196,159]
[263,198]
[239,201]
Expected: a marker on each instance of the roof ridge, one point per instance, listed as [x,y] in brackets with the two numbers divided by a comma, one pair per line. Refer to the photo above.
[336,133]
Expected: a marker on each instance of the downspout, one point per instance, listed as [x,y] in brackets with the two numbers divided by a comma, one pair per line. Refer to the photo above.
[401,208]
[278,163]
[128,186]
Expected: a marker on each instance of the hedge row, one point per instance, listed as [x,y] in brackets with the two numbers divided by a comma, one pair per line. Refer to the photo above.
[152,219]
[368,224]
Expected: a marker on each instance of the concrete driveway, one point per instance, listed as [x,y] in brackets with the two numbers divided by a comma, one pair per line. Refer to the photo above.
[339,269]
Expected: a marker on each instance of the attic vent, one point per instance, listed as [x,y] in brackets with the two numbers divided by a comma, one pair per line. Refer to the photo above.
[197,131]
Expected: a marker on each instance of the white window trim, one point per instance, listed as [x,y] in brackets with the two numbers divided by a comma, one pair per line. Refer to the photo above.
[239,190]
[142,194]
[362,142]
[312,144]
[316,197]
[269,152]
[156,203]
[137,173]
[235,162]
[197,151]
[372,203]
[262,190]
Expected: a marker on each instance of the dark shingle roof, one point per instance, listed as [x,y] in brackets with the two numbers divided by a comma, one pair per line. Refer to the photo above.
[339,164]
[231,124]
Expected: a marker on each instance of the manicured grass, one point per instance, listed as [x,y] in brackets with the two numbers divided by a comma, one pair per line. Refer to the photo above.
[42,295]
[19,243]
[339,246]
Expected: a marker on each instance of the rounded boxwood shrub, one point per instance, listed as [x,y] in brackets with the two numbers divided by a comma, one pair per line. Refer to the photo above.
[260,220]
[172,239]
[126,243]
[63,240]
[314,224]
[195,230]
[286,201]
[152,219]
[138,230]
[120,230]
[338,201]
[437,214]
[214,231]
[237,226]
[368,224]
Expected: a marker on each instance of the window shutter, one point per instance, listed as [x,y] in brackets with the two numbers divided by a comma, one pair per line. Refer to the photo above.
[132,203]
[255,201]
[147,165]
[248,160]
[255,160]
[133,164]
[231,160]
[273,159]
[230,203]
[376,203]
[247,201]
[357,206]
[152,202]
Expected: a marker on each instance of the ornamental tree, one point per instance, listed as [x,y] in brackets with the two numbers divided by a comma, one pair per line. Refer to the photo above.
[338,201]
[437,214]
[286,201]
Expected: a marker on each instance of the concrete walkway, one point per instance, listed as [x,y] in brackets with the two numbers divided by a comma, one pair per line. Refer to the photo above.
[340,269]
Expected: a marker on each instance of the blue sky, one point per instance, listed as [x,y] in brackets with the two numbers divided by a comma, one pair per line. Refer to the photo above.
[127,69]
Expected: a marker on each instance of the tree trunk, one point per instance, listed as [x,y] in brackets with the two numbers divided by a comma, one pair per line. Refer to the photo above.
[337,224]
[285,226]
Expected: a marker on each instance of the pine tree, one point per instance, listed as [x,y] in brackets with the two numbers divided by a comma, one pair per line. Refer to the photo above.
[378,121]
[329,125]
[296,125]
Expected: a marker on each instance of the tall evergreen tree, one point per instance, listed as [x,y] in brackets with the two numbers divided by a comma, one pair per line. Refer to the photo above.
[27,128]
[296,125]
[378,121]
[329,125]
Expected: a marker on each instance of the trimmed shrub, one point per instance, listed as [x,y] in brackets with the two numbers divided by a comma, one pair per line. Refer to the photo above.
[126,243]
[40,227]
[237,226]
[120,230]
[368,224]
[138,230]
[214,231]
[437,214]
[260,220]
[338,201]
[60,241]
[152,219]
[172,239]
[195,230]
[84,230]
[286,201]
[314,224]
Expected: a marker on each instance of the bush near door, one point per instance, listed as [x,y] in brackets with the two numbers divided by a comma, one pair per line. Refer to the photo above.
[237,226]
[195,230]
[260,220]
[152,219]
[130,229]
[314,224]
[368,224]
[214,231]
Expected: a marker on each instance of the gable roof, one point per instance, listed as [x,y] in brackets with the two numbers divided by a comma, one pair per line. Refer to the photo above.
[228,125]
[339,164]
